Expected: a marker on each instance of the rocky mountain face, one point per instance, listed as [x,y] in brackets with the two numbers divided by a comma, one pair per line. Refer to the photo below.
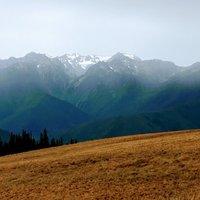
[77,64]
[73,89]
[74,70]
[122,68]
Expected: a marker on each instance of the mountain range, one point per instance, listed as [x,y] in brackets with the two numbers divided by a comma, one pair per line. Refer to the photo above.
[90,97]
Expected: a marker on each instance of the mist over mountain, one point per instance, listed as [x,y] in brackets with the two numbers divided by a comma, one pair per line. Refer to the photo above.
[78,64]
[60,93]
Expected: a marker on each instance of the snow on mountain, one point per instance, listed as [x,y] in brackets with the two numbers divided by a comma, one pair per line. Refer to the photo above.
[124,56]
[77,60]
[124,63]
[133,57]
[80,64]
[75,64]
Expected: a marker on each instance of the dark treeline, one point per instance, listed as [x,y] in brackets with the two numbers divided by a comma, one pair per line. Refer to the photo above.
[25,142]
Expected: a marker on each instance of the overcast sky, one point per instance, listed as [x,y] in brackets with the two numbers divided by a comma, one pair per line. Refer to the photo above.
[165,29]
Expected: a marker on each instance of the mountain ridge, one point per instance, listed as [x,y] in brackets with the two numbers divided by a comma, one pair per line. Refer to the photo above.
[108,87]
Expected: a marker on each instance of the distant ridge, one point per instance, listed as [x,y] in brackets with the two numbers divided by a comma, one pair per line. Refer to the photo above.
[104,91]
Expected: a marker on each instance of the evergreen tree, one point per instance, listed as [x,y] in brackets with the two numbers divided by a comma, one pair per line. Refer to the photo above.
[53,142]
[73,141]
[25,141]
[45,138]
[41,140]
[61,141]
[1,147]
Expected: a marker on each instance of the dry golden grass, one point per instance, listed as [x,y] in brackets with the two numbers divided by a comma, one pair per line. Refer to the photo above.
[154,166]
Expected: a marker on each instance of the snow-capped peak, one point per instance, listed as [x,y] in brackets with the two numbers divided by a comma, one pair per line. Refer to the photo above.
[77,60]
[73,56]
[123,56]
[79,64]
[130,56]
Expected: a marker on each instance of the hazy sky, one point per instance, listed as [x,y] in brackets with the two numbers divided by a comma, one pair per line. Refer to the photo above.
[165,29]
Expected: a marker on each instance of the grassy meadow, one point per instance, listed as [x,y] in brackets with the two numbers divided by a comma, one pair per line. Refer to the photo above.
[152,166]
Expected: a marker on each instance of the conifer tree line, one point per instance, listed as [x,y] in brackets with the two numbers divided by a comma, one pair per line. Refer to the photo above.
[25,141]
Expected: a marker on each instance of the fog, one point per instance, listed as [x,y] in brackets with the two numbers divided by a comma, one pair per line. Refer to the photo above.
[168,30]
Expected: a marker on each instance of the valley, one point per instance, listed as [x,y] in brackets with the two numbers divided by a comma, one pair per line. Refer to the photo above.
[94,97]
[99,100]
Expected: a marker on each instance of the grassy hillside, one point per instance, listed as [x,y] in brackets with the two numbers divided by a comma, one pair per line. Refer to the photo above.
[177,118]
[132,98]
[152,166]
[37,111]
